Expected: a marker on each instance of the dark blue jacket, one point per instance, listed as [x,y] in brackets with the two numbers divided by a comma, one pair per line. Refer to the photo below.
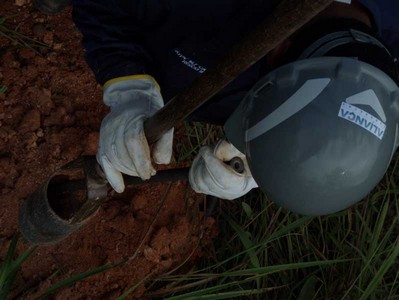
[177,40]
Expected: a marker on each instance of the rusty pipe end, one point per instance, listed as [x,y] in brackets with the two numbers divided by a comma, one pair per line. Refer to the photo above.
[60,205]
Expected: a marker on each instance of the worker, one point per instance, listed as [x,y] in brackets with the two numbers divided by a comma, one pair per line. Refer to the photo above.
[315,121]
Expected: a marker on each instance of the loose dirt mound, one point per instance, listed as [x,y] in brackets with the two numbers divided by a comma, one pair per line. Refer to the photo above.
[50,115]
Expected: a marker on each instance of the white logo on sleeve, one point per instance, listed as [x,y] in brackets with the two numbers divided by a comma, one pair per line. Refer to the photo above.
[189,62]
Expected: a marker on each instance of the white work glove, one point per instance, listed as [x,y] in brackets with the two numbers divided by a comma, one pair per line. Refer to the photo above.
[123,147]
[209,174]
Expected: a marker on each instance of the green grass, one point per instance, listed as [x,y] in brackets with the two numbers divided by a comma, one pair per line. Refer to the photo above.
[195,136]
[10,267]
[265,252]
[350,255]
[3,89]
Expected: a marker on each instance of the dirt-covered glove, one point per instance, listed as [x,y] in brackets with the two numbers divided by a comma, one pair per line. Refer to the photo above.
[209,173]
[123,147]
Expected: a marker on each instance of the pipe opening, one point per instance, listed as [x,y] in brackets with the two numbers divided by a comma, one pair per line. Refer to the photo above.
[67,193]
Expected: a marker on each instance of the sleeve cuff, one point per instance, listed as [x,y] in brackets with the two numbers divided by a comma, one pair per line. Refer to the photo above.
[131,77]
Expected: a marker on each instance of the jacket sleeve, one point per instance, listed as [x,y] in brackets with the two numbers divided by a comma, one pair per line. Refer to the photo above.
[112,37]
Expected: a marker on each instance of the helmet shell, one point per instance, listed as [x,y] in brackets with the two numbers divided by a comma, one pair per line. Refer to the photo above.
[319,133]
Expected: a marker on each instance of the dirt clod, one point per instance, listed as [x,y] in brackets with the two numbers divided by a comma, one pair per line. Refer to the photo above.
[38,30]
[48,38]
[8,172]
[152,255]
[161,241]
[30,122]
[91,143]
[59,117]
[21,2]
[40,133]
[26,53]
[57,46]
[43,101]
[30,139]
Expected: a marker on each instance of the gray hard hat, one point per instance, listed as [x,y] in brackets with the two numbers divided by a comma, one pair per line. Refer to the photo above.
[319,133]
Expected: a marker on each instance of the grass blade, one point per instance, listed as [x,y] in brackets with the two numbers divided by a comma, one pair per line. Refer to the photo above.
[378,229]
[21,259]
[204,291]
[74,279]
[233,294]
[3,89]
[275,235]
[286,267]
[256,273]
[246,241]
[13,270]
[309,289]
[5,270]
[372,286]
[133,288]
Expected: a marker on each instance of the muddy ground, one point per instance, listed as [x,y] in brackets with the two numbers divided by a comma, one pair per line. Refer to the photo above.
[49,116]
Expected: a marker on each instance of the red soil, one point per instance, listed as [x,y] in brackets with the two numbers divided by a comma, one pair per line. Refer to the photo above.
[50,115]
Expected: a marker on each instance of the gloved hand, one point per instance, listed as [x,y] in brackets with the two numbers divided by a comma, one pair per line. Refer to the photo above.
[209,174]
[123,147]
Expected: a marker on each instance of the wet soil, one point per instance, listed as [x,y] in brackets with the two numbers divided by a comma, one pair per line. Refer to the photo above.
[49,116]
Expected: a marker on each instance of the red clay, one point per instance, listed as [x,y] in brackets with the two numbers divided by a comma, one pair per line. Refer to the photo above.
[49,116]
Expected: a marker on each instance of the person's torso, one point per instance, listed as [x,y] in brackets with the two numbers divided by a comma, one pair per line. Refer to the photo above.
[185,38]
[193,37]
[385,15]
